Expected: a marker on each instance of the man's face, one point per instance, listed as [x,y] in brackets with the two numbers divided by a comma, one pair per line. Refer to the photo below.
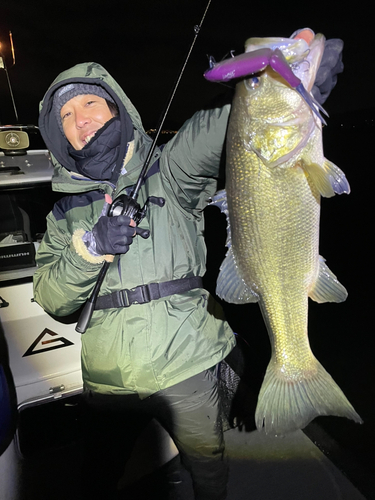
[82,117]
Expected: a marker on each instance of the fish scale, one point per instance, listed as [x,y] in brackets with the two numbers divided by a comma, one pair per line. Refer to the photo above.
[275,175]
[276,249]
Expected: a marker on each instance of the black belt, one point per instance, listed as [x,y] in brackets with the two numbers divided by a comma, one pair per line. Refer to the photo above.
[145,293]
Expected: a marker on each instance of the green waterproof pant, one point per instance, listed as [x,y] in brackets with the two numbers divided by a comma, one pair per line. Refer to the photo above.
[189,411]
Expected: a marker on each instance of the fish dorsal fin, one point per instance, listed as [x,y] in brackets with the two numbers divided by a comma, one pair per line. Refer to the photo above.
[230,286]
[327,288]
[328,179]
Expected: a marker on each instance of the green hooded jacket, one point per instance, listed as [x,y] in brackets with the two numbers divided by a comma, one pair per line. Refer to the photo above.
[145,347]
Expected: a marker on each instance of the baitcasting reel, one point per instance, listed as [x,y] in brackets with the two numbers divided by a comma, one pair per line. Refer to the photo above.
[123,205]
[126,205]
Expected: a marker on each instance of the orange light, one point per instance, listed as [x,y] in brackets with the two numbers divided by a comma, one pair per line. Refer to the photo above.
[12,47]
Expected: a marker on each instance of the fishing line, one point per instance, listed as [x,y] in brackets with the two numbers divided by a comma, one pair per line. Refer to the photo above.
[197,29]
[128,204]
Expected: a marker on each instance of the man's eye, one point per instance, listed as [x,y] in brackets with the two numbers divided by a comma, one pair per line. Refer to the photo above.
[65,115]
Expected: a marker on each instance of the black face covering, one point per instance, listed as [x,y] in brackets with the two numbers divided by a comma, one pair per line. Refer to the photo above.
[98,159]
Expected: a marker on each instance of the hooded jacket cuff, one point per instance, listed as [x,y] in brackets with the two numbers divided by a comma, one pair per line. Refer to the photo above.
[82,250]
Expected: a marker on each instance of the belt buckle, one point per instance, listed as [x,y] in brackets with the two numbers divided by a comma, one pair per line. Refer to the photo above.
[125,298]
[146,293]
[137,295]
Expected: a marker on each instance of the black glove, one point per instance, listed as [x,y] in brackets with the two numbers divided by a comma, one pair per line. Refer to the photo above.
[330,66]
[113,235]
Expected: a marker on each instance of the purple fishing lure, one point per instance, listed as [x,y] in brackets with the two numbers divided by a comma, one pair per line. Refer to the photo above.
[256,61]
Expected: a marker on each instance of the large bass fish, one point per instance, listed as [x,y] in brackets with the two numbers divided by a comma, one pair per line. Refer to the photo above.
[276,174]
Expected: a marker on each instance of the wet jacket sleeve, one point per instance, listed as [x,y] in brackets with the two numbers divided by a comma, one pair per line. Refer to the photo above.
[64,279]
[192,159]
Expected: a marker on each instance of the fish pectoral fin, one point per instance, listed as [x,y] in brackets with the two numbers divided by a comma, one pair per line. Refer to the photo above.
[230,286]
[327,288]
[328,179]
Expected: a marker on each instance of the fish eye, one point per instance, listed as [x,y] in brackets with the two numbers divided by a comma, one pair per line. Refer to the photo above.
[252,83]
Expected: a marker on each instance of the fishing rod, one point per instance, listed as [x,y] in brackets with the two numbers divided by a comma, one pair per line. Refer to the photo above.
[197,29]
[130,207]
[127,204]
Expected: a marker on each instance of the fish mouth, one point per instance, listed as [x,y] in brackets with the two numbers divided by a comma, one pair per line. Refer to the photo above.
[293,49]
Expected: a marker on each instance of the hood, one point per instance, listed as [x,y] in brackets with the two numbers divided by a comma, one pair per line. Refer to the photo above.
[89,73]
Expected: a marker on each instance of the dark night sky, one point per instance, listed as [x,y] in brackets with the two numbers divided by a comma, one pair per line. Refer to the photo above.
[143,45]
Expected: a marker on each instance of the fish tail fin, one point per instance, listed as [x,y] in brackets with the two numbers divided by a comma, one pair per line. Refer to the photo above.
[285,405]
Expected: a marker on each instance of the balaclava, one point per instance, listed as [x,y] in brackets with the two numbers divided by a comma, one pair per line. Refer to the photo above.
[97,159]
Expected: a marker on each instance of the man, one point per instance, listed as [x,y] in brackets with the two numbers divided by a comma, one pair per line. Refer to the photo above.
[140,359]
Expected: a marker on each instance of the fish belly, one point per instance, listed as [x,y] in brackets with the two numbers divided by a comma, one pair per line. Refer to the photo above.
[274,219]
[274,214]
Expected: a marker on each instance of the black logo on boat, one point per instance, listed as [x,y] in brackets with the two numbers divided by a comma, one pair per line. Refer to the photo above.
[49,343]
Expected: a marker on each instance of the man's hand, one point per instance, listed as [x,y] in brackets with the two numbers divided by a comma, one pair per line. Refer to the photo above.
[113,235]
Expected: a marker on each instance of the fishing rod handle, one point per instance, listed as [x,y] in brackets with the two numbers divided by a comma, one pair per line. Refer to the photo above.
[88,309]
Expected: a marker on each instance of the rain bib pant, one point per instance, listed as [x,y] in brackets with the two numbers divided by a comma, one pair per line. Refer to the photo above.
[189,411]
